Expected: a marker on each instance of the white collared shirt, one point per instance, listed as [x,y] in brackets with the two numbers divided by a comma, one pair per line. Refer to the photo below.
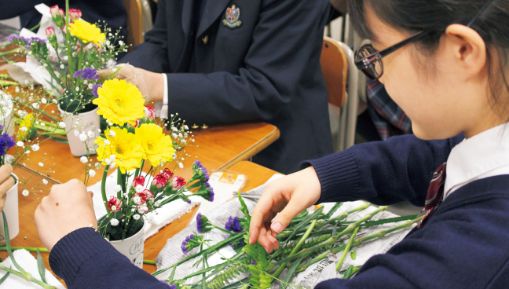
[484,155]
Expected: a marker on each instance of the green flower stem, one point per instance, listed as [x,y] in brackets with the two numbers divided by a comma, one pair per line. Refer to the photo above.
[360,241]
[27,277]
[29,249]
[347,249]
[17,101]
[5,83]
[382,233]
[297,247]
[333,239]
[11,52]
[211,249]
[103,187]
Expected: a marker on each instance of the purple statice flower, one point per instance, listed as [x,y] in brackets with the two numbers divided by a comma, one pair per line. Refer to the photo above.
[203,224]
[233,224]
[6,142]
[87,74]
[210,195]
[95,88]
[200,171]
[173,286]
[28,41]
[190,242]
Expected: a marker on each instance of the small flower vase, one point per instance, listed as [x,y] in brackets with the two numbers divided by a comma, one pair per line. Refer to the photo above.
[81,130]
[132,247]
[11,212]
[6,113]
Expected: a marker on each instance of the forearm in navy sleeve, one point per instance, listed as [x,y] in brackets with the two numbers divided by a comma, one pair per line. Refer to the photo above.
[85,260]
[395,170]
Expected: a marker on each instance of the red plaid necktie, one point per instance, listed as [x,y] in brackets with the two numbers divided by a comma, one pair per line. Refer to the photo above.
[435,194]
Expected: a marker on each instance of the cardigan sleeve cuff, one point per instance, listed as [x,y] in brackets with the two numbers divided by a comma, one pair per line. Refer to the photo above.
[74,250]
[339,177]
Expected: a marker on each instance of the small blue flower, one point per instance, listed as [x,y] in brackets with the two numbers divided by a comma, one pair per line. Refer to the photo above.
[233,224]
[87,74]
[200,171]
[203,224]
[190,242]
[94,89]
[6,142]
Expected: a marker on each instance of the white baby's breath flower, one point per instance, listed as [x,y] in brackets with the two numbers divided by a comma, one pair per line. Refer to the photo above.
[44,181]
[35,147]
[41,164]
[25,193]
[91,173]
[84,159]
[20,144]
[114,222]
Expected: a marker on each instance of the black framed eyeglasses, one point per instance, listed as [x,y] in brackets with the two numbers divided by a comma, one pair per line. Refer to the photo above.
[369,60]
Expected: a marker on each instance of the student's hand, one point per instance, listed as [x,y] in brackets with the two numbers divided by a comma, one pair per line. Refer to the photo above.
[68,207]
[6,182]
[151,84]
[283,200]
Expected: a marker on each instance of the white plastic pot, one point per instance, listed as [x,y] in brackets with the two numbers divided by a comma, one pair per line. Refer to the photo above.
[82,130]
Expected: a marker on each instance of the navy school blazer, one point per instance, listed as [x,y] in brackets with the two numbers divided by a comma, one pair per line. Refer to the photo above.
[257,61]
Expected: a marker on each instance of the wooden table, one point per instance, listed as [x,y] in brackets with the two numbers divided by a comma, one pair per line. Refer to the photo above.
[28,237]
[217,148]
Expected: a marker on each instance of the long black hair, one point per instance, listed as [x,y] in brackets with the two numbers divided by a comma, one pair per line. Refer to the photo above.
[492,24]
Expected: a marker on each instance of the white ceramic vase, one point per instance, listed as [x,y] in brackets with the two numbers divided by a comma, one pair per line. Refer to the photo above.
[132,247]
[6,113]
[11,210]
[82,130]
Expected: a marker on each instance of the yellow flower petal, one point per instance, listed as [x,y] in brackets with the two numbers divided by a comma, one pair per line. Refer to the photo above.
[87,32]
[120,102]
[157,146]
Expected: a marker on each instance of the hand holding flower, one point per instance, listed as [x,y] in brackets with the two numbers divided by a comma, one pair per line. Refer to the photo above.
[283,200]
[151,84]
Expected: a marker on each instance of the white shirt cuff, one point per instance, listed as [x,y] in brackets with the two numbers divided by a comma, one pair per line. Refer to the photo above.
[164,109]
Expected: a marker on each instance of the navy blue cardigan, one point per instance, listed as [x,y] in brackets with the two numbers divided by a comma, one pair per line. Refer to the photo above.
[465,244]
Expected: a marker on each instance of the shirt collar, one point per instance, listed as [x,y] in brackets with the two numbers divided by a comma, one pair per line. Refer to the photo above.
[484,155]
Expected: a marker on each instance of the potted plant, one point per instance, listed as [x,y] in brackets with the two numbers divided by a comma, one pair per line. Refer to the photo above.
[70,53]
[139,149]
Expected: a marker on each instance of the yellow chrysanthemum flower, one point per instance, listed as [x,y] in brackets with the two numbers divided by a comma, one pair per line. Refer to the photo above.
[26,128]
[121,148]
[120,102]
[87,32]
[157,146]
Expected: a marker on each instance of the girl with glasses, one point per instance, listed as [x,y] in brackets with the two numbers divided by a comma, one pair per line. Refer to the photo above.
[445,63]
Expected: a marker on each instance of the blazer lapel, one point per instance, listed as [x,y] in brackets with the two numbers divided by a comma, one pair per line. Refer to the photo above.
[212,10]
[187,15]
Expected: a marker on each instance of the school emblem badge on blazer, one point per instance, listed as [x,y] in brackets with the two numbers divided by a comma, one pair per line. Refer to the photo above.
[232,17]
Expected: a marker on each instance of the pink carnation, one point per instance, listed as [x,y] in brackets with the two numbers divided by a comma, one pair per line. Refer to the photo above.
[142,197]
[139,181]
[178,182]
[50,31]
[114,204]
[75,13]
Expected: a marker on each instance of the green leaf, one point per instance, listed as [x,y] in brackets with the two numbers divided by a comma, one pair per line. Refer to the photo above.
[2,280]
[243,208]
[40,267]
[8,246]
[353,255]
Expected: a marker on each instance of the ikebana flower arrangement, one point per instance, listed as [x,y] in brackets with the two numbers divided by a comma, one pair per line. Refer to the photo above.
[72,52]
[311,238]
[139,149]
